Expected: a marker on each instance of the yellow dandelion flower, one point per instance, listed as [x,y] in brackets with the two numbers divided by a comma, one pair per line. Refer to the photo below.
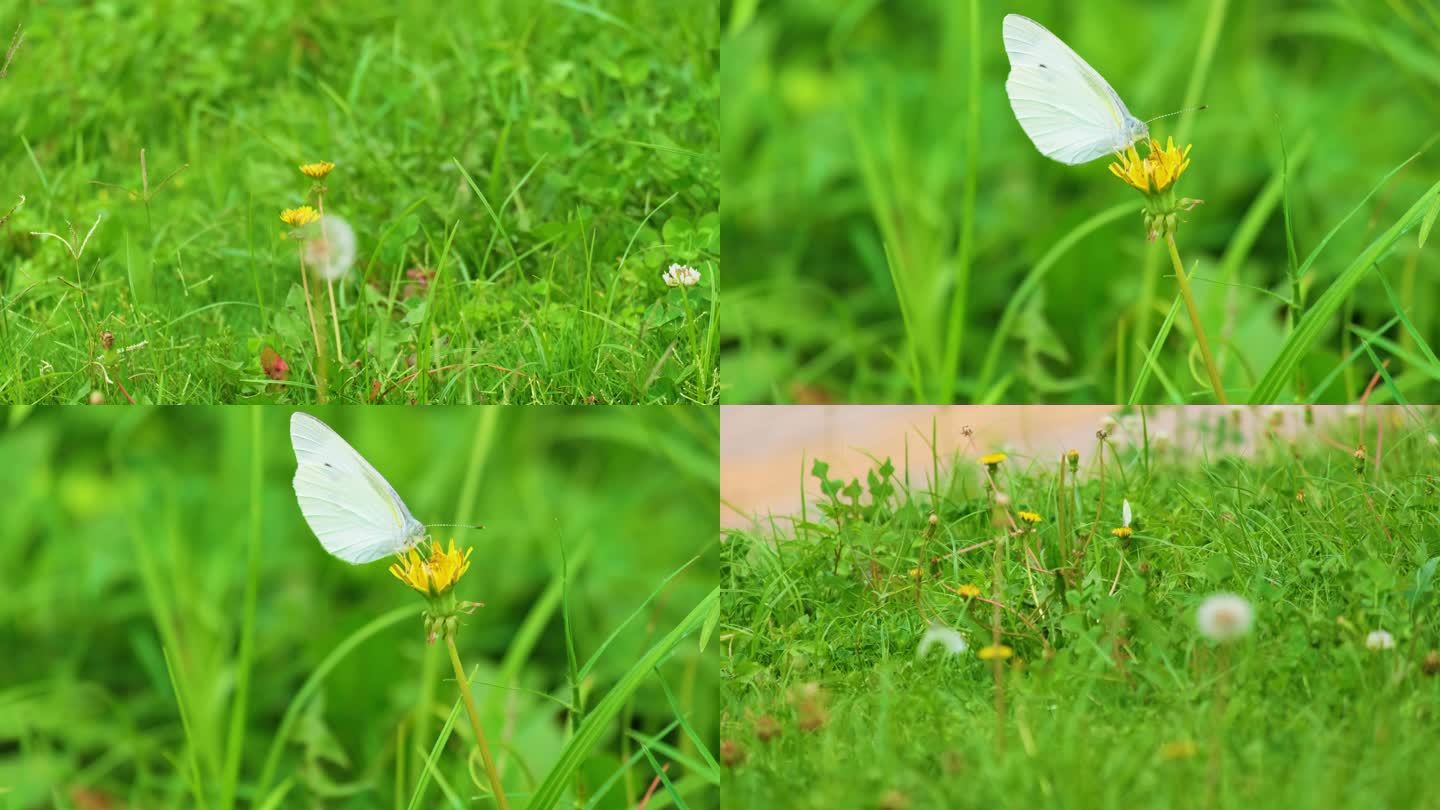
[1180,749]
[433,575]
[317,171]
[1122,532]
[299,217]
[1029,517]
[993,459]
[1157,171]
[968,591]
[995,651]
[916,573]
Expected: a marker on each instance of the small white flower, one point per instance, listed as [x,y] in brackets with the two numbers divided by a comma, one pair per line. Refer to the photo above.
[680,275]
[330,248]
[951,640]
[1224,617]
[1379,640]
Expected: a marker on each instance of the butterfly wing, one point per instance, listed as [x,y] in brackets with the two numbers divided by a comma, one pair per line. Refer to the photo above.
[1125,513]
[1069,111]
[353,510]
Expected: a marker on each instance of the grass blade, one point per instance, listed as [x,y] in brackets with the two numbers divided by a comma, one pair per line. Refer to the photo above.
[549,793]
[1308,330]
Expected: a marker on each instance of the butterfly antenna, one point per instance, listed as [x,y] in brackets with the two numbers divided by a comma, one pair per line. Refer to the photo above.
[453,526]
[1178,112]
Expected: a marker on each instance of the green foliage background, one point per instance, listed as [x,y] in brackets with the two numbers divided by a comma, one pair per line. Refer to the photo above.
[519,149]
[132,535]
[847,158]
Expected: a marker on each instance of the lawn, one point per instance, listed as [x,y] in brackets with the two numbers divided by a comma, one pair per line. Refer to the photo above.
[177,637]
[518,178]
[900,239]
[1088,677]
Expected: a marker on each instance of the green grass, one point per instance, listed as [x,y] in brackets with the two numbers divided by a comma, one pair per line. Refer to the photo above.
[1113,697]
[901,240]
[544,162]
[181,639]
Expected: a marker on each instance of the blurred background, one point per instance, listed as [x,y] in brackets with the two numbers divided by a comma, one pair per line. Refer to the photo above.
[766,453]
[848,150]
[129,536]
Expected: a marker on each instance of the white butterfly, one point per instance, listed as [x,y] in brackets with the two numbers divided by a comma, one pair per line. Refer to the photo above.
[352,509]
[1069,111]
[1125,513]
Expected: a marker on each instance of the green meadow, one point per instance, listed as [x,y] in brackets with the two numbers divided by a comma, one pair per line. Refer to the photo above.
[1088,678]
[900,239]
[518,176]
[176,636]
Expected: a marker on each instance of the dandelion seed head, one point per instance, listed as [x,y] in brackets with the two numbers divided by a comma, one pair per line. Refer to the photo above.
[1225,617]
[330,248]
[1379,640]
[946,638]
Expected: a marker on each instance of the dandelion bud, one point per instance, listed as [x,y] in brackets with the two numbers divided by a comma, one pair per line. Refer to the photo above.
[731,754]
[1360,461]
[766,728]
[107,340]
[894,800]
[1073,457]
[934,519]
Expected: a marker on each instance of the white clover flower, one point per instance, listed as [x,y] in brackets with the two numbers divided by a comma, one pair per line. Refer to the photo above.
[1224,617]
[680,275]
[1379,640]
[951,640]
[330,248]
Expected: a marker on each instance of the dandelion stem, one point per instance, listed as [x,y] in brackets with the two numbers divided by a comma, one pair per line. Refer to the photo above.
[1195,321]
[329,282]
[320,372]
[470,709]
[997,663]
